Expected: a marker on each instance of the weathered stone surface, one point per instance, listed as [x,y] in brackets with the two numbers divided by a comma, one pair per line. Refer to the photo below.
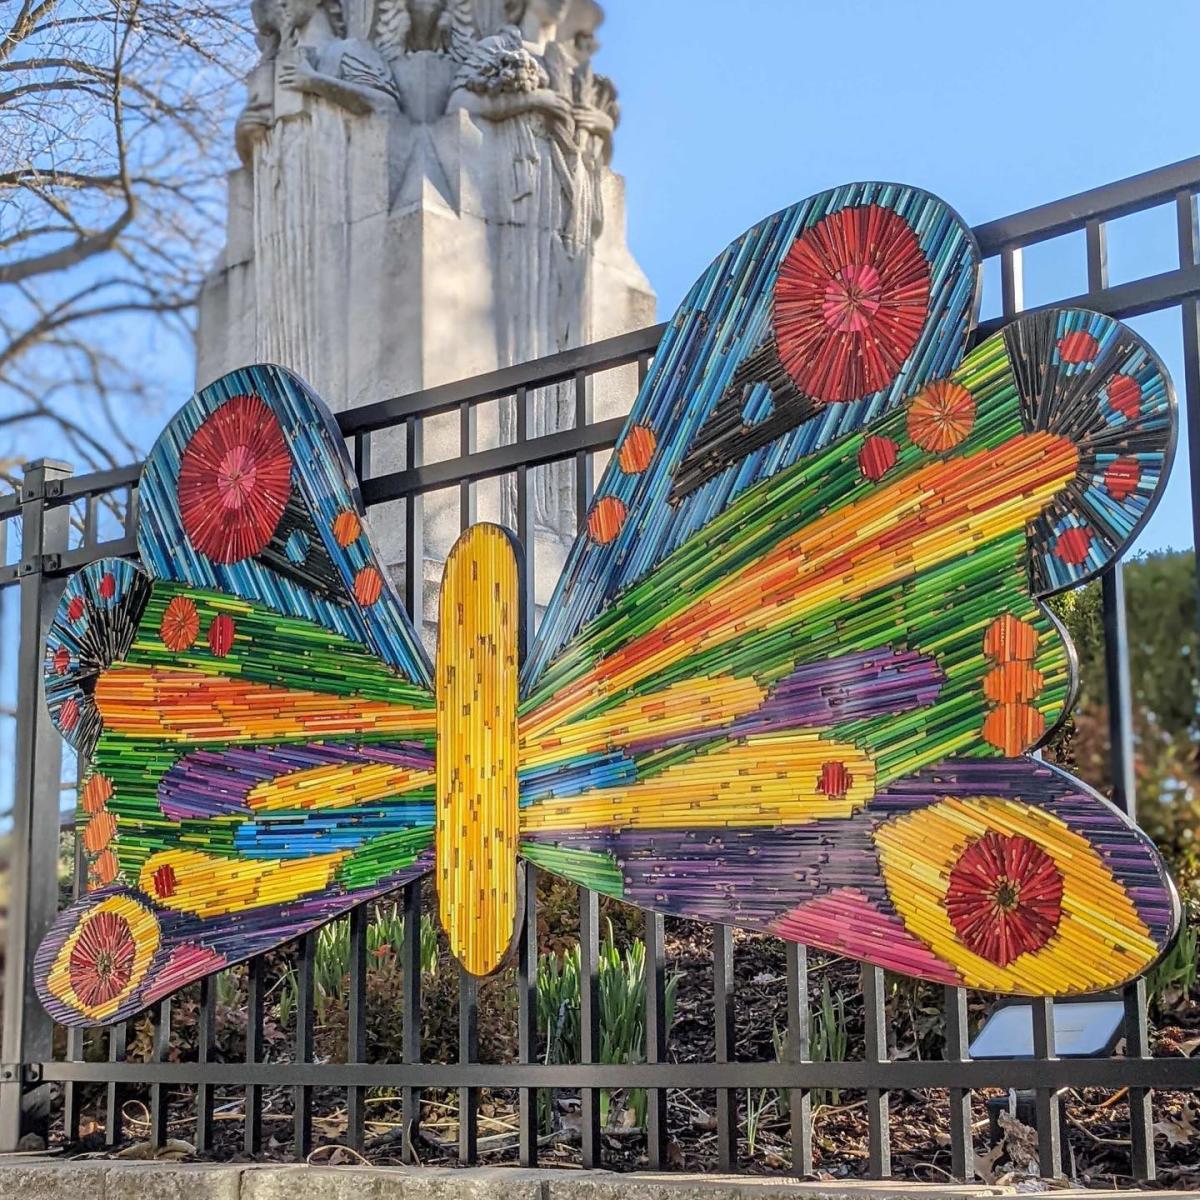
[167,1181]
[426,195]
[383,1183]
[601,1186]
[42,1179]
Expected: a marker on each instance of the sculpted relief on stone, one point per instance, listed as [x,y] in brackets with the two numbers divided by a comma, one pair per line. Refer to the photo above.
[426,194]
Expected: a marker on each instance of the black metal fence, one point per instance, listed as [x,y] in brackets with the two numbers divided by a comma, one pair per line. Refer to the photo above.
[62,522]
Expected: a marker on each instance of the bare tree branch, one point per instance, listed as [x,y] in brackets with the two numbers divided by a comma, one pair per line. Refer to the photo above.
[118,133]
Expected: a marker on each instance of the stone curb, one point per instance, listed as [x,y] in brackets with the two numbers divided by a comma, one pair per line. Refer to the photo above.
[31,1178]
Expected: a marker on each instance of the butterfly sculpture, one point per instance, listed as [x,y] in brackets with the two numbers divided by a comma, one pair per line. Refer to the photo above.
[789,680]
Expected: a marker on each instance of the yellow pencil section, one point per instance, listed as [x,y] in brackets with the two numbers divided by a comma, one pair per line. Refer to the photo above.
[788,778]
[689,706]
[336,785]
[477,662]
[208,885]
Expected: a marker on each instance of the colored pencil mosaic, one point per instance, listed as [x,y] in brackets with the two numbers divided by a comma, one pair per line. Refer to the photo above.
[789,679]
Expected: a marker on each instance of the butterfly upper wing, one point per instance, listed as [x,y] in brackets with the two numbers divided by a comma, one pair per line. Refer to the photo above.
[778,722]
[254,706]
[249,491]
[727,352]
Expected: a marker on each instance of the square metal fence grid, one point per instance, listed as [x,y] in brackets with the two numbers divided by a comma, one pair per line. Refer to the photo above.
[65,522]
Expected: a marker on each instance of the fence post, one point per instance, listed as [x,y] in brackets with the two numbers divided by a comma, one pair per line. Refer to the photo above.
[33,870]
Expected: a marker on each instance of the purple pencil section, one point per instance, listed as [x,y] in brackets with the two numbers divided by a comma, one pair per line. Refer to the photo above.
[209,783]
[738,876]
[869,683]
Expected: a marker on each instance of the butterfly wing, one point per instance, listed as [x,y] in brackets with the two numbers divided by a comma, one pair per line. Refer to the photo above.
[808,716]
[812,323]
[254,708]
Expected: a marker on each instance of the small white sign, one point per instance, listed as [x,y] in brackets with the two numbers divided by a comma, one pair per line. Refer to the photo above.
[1082,1029]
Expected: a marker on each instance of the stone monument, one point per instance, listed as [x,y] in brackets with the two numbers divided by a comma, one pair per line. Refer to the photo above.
[425,194]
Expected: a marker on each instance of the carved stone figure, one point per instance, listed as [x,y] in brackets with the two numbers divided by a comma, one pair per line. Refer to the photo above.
[426,194]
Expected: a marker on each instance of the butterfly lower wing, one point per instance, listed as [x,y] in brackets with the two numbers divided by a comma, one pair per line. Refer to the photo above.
[909,882]
[241,852]
[114,952]
[722,741]
[236,796]
[233,800]
[254,707]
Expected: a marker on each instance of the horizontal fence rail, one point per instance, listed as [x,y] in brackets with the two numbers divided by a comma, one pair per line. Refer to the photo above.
[58,522]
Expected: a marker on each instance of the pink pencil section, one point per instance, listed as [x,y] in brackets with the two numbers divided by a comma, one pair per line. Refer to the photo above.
[846,922]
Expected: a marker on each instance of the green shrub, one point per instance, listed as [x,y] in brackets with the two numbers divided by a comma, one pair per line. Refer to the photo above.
[1176,974]
[621,983]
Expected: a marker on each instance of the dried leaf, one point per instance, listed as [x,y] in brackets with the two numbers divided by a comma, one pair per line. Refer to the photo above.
[1180,1130]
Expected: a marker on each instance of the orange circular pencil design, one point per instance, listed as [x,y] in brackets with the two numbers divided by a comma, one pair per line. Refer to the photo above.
[368,586]
[637,449]
[346,527]
[180,624]
[941,416]
[606,518]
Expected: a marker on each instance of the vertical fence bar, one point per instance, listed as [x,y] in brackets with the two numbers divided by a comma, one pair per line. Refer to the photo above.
[468,1052]
[527,965]
[160,1096]
[1141,1117]
[1189,254]
[118,1040]
[799,1050]
[1049,1127]
[1124,795]
[583,459]
[131,511]
[1121,753]
[962,1144]
[255,992]
[656,1038]
[356,1024]
[723,1012]
[33,861]
[1096,235]
[1120,696]
[1012,280]
[410,1017]
[589,1021]
[72,1091]
[414,529]
[467,507]
[303,1050]
[879,1146]
[524,515]
[205,1042]
[90,517]
[362,456]
[1121,757]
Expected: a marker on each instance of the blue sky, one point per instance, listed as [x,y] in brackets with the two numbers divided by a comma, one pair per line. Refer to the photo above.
[733,110]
